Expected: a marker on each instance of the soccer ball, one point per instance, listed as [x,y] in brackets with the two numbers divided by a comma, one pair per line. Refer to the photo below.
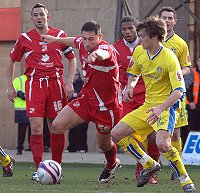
[49,172]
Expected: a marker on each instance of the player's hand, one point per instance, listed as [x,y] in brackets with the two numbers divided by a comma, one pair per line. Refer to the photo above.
[48,38]
[92,57]
[11,93]
[128,95]
[155,115]
[69,88]
[192,105]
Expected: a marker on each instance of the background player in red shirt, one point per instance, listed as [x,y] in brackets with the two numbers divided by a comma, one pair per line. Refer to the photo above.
[124,49]
[98,100]
[45,88]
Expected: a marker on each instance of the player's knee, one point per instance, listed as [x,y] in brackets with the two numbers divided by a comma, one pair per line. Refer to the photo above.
[36,128]
[56,127]
[104,147]
[176,135]
[164,147]
[115,136]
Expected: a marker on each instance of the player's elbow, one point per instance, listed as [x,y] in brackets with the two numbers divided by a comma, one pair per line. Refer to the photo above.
[178,93]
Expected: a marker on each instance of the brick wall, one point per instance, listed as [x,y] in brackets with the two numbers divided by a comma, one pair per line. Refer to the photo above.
[8,130]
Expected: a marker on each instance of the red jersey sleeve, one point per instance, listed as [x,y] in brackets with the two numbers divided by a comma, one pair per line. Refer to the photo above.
[17,52]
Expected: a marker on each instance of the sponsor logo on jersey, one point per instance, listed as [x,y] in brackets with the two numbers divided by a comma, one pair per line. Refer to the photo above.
[46,64]
[45,58]
[151,76]
[103,47]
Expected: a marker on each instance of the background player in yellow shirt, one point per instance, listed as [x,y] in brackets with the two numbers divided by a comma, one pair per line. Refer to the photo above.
[180,49]
[164,83]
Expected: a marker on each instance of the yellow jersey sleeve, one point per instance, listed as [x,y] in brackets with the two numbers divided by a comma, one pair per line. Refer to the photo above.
[184,57]
[175,75]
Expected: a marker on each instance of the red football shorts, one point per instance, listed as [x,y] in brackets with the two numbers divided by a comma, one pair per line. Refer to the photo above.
[44,97]
[104,120]
[136,102]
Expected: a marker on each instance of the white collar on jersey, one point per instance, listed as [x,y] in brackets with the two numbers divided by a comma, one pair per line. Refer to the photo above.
[131,45]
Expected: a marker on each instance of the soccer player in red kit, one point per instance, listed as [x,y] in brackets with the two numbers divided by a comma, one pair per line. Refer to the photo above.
[99,99]
[46,93]
[124,49]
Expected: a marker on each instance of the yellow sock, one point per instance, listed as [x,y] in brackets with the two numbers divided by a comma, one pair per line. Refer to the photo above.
[130,144]
[5,158]
[177,145]
[177,165]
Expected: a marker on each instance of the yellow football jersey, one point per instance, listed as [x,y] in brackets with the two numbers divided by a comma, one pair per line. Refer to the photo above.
[161,73]
[180,49]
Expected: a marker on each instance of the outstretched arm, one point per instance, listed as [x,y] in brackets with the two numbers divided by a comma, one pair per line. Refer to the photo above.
[69,41]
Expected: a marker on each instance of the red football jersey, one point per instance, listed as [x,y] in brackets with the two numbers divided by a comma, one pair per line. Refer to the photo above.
[41,59]
[102,87]
[124,55]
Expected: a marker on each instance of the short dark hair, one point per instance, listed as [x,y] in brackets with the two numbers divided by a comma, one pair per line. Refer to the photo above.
[91,26]
[129,19]
[154,27]
[168,9]
[38,5]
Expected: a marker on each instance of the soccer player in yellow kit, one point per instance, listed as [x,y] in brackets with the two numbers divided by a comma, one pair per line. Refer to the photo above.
[180,49]
[7,163]
[164,83]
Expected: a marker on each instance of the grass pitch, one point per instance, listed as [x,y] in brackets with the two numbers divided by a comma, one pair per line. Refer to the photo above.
[83,178]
